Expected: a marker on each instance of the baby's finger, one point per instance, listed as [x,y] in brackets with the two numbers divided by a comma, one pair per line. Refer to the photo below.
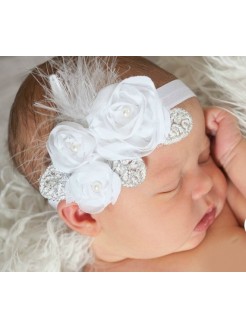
[210,114]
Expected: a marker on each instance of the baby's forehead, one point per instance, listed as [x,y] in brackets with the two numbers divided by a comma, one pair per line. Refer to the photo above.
[168,157]
[194,108]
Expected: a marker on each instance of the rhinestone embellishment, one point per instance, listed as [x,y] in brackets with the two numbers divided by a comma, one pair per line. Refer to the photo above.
[181,125]
[131,172]
[52,184]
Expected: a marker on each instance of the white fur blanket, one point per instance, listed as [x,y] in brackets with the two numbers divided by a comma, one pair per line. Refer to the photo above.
[32,237]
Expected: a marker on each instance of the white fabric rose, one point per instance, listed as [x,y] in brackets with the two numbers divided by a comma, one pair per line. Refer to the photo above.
[70,146]
[93,187]
[128,119]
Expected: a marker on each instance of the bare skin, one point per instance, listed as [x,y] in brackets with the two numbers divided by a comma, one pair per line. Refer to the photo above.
[223,249]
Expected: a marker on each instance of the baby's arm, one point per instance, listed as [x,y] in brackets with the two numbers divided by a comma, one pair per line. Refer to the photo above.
[229,150]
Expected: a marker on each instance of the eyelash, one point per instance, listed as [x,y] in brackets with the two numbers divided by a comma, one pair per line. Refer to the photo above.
[175,188]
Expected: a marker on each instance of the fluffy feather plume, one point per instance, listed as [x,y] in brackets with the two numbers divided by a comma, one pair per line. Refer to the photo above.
[76,84]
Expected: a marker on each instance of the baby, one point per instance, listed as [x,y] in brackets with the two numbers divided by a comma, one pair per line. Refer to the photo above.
[121,149]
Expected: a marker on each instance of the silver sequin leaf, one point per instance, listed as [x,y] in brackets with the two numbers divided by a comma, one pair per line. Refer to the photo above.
[52,184]
[131,172]
[181,125]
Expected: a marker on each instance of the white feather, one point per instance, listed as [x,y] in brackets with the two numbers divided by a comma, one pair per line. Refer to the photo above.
[75,86]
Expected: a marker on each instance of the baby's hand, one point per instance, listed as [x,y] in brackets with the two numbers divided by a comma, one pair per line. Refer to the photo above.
[224,127]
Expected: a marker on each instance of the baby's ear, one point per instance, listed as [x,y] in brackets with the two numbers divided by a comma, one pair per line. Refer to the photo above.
[77,220]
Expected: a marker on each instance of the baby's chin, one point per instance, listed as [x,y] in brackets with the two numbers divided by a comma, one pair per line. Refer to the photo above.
[194,241]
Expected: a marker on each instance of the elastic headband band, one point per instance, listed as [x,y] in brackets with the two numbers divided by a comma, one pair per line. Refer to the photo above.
[174,93]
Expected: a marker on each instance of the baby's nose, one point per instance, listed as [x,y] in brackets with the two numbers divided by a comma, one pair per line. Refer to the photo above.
[203,184]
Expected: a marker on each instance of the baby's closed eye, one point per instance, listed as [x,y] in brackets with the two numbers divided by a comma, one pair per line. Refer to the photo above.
[174,186]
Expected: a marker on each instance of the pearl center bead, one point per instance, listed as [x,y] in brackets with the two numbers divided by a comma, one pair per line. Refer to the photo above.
[126,111]
[72,145]
[96,186]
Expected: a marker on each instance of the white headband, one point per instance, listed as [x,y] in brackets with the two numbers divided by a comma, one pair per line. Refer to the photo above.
[174,93]
[127,121]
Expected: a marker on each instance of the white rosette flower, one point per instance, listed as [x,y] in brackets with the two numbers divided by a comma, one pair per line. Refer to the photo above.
[128,119]
[70,146]
[93,187]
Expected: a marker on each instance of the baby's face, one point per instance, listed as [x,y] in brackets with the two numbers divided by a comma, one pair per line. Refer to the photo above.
[162,215]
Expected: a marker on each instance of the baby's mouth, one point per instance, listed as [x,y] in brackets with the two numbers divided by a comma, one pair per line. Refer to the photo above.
[207,219]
